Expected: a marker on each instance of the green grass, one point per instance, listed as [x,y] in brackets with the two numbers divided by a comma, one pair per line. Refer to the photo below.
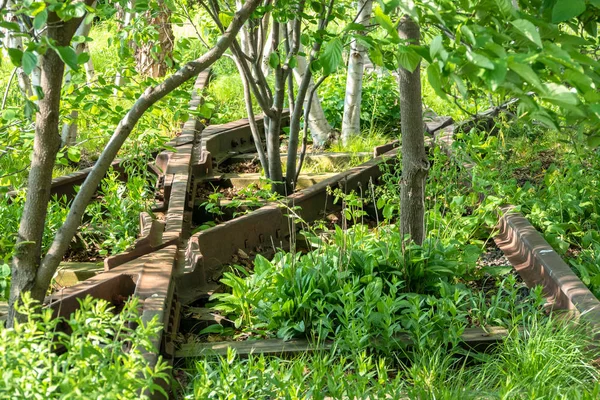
[364,142]
[549,359]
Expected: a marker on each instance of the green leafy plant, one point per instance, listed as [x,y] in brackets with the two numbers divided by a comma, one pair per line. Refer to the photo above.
[40,361]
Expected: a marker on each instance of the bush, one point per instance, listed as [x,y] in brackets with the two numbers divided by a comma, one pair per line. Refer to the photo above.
[380,103]
[40,361]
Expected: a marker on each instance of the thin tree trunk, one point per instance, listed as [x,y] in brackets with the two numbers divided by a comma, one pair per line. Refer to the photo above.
[26,274]
[152,63]
[354,80]
[69,129]
[272,134]
[28,248]
[414,159]
[320,129]
[252,121]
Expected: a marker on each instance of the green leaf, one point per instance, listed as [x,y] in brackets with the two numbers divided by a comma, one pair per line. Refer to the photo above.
[435,80]
[498,75]
[435,46]
[74,154]
[408,58]
[468,33]
[215,328]
[8,115]
[11,26]
[376,56]
[85,57]
[304,39]
[316,6]
[332,55]
[505,7]
[68,55]
[528,30]
[595,3]
[225,19]
[29,62]
[16,56]
[480,60]
[40,20]
[593,141]
[564,10]
[293,62]
[525,72]
[561,95]
[545,119]
[353,26]
[386,23]
[273,60]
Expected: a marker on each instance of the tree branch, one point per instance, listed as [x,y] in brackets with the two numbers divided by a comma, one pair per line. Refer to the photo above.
[66,232]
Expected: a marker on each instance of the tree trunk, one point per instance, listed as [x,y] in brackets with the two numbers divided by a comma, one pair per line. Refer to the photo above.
[28,249]
[29,274]
[320,129]
[414,159]
[151,62]
[69,129]
[272,134]
[356,64]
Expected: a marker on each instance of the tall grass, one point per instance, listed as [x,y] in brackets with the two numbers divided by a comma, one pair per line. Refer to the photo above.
[548,359]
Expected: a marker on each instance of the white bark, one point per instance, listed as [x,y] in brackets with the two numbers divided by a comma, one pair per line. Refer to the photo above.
[69,130]
[356,62]
[320,128]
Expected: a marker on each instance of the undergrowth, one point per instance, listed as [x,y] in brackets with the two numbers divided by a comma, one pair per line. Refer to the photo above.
[39,360]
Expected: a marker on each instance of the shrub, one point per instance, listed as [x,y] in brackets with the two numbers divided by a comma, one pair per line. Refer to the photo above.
[102,357]
[380,104]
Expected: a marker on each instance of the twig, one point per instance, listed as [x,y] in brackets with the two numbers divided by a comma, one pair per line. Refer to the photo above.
[12,76]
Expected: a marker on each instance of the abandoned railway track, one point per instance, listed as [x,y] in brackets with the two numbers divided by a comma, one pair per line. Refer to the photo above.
[172,265]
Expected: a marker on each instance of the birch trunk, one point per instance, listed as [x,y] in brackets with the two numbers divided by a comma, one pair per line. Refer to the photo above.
[69,130]
[414,159]
[320,129]
[30,272]
[354,80]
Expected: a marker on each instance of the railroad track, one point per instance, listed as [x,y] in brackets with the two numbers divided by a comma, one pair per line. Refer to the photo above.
[170,266]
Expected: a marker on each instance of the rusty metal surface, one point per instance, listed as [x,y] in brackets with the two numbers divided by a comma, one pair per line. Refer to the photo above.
[268,227]
[539,264]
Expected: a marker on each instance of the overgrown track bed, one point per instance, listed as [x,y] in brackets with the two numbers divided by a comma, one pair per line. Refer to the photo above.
[170,265]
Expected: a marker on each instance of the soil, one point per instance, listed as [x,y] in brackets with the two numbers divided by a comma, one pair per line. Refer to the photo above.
[531,173]
[245,167]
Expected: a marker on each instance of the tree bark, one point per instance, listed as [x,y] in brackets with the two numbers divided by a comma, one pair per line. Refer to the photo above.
[320,129]
[149,62]
[28,248]
[414,159]
[354,80]
[27,276]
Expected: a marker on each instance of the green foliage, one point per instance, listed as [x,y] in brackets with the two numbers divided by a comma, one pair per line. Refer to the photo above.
[40,361]
[380,104]
[554,183]
[546,359]
[360,285]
